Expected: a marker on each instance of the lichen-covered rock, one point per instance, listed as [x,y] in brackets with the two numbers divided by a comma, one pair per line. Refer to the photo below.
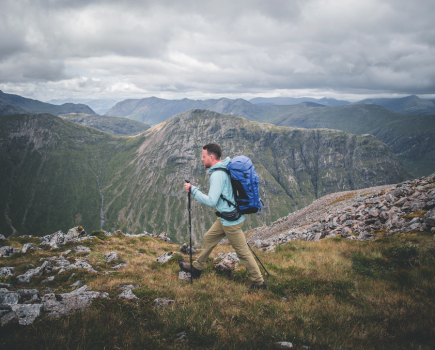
[7,271]
[185,248]
[120,266]
[8,297]
[82,249]
[27,277]
[227,262]
[184,276]
[54,240]
[79,264]
[165,257]
[111,256]
[27,246]
[159,302]
[56,305]
[127,294]
[48,279]
[164,237]
[6,251]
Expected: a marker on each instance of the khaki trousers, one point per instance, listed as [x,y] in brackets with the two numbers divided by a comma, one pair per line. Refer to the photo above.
[238,241]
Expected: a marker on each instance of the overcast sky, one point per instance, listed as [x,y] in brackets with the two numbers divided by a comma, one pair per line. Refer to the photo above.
[208,49]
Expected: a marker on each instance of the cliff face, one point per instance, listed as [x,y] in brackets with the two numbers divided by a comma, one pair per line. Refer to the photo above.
[70,174]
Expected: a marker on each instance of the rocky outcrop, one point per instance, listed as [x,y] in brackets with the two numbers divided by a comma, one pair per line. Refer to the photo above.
[111,256]
[27,277]
[226,263]
[7,251]
[7,271]
[185,248]
[55,305]
[166,257]
[359,215]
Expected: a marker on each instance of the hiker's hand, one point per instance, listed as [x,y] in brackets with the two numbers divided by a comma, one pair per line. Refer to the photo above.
[187,186]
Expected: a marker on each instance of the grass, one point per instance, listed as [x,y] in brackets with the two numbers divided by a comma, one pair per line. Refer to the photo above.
[332,294]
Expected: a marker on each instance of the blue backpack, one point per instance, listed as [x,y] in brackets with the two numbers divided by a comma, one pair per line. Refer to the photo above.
[245,183]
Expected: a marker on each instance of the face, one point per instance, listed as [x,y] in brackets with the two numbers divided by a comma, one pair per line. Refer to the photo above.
[207,159]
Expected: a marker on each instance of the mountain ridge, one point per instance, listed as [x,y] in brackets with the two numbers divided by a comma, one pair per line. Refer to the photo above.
[67,174]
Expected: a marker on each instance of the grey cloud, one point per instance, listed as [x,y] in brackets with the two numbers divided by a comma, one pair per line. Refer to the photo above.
[221,47]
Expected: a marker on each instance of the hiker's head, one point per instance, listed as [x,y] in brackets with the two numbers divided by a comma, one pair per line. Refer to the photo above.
[211,154]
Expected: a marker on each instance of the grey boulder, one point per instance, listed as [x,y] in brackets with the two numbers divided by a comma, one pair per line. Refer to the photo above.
[27,277]
[23,314]
[127,294]
[7,271]
[111,256]
[56,305]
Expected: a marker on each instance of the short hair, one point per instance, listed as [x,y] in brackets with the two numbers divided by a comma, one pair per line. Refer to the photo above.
[213,148]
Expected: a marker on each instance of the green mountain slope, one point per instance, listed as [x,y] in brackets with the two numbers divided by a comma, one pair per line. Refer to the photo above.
[405,105]
[410,137]
[34,106]
[56,174]
[112,125]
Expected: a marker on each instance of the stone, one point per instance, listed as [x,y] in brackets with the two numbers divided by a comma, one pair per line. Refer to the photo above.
[429,205]
[80,264]
[82,249]
[127,294]
[9,298]
[6,285]
[128,286]
[56,305]
[27,246]
[2,238]
[164,237]
[185,248]
[66,252]
[184,276]
[284,345]
[48,279]
[166,257]
[227,262]
[26,314]
[120,266]
[111,256]
[77,283]
[48,290]
[27,277]
[160,302]
[7,271]
[6,251]
[181,337]
[62,262]
[54,240]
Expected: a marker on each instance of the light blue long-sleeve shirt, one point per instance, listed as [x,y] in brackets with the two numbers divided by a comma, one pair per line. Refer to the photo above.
[220,183]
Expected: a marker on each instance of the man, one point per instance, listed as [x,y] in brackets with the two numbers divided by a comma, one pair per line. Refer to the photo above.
[220,184]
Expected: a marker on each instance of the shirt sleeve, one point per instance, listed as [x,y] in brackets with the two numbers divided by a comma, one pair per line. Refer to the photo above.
[216,188]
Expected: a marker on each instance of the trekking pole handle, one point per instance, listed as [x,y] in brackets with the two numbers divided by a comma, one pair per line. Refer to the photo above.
[188,182]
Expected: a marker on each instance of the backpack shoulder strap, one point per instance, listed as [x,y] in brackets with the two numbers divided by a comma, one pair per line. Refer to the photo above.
[226,200]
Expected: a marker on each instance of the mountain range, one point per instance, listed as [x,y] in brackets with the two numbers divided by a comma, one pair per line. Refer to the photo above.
[409,136]
[57,174]
[99,106]
[15,104]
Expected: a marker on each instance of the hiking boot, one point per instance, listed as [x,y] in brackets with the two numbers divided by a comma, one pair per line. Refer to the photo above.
[259,286]
[186,268]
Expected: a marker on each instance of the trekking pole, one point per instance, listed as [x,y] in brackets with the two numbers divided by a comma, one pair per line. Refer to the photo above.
[190,233]
[257,258]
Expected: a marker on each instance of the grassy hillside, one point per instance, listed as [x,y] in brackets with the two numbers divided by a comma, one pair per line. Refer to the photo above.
[332,294]
[58,174]
[112,125]
[34,106]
